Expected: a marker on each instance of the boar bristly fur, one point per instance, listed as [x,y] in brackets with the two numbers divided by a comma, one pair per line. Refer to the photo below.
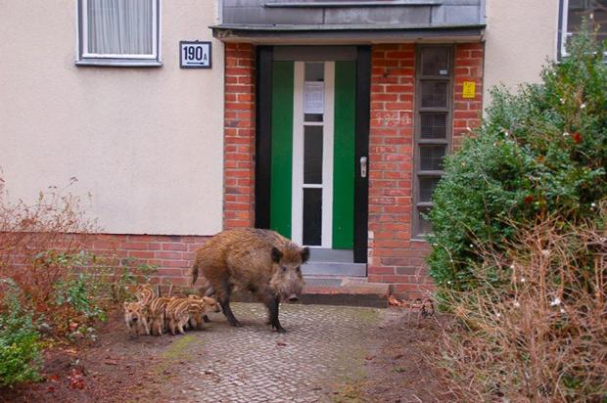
[261,261]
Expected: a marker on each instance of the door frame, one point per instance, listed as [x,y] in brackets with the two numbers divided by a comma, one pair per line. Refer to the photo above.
[263,139]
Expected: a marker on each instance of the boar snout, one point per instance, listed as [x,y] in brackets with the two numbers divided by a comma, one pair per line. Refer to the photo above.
[293,298]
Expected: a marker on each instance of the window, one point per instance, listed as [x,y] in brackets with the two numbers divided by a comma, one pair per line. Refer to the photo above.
[118,32]
[573,12]
[432,128]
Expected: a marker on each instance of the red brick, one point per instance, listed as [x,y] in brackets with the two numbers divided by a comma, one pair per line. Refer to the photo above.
[141,254]
[245,98]
[175,263]
[169,255]
[237,71]
[382,270]
[399,106]
[134,246]
[465,114]
[174,246]
[400,54]
[238,88]
[104,245]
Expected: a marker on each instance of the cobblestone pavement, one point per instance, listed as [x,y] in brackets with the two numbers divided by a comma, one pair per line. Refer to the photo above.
[323,346]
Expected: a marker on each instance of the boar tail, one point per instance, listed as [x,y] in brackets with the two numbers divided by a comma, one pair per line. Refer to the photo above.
[194,273]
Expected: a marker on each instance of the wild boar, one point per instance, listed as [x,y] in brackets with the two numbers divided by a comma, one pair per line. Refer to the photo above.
[261,261]
[135,317]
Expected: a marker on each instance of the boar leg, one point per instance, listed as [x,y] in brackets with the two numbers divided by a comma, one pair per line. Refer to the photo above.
[223,294]
[273,304]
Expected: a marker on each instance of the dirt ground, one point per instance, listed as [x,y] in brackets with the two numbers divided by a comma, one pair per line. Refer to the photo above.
[399,367]
[393,364]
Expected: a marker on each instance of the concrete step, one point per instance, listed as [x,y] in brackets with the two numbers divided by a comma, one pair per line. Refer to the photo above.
[334,269]
[331,255]
[342,290]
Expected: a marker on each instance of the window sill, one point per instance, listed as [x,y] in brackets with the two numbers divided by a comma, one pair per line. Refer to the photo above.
[118,63]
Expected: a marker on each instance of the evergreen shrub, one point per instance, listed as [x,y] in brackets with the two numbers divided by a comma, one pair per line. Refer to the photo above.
[541,152]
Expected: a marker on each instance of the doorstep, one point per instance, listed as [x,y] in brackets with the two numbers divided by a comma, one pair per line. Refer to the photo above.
[342,290]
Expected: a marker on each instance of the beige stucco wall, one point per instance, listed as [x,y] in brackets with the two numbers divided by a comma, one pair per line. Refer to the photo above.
[520,37]
[145,142]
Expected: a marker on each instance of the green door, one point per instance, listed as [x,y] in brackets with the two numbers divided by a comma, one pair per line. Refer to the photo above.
[313,152]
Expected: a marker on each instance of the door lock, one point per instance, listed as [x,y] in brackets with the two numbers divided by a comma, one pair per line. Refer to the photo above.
[363,167]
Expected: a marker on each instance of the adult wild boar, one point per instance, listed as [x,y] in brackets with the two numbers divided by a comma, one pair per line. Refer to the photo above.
[261,261]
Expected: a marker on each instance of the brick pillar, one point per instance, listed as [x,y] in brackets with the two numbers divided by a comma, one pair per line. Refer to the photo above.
[393,257]
[469,58]
[239,136]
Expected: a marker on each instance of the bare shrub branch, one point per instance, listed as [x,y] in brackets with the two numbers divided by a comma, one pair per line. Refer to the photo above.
[536,327]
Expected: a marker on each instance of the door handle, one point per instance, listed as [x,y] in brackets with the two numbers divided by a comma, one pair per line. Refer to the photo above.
[363,167]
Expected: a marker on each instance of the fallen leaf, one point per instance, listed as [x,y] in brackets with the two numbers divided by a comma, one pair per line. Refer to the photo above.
[53,378]
[398,356]
[369,357]
[281,343]
[392,301]
[76,379]
[110,362]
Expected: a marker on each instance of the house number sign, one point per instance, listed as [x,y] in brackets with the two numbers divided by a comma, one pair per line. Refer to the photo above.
[195,55]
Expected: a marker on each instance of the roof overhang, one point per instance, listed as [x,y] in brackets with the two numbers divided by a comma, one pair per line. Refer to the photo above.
[344,34]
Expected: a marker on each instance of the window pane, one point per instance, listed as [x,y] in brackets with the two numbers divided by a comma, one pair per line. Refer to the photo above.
[312,217]
[314,92]
[313,154]
[120,27]
[433,125]
[425,226]
[313,117]
[588,9]
[434,94]
[431,157]
[435,62]
[314,72]
[426,188]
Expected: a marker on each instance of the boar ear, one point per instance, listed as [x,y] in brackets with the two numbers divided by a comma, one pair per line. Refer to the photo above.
[125,304]
[305,254]
[276,255]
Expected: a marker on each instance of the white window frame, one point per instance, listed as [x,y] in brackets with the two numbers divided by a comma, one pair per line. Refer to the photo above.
[418,205]
[563,32]
[128,60]
[298,185]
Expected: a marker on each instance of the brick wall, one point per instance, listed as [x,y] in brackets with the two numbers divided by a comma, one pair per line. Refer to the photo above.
[393,256]
[173,255]
[469,59]
[239,136]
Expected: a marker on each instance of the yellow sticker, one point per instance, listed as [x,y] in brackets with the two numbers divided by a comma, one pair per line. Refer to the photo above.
[469,90]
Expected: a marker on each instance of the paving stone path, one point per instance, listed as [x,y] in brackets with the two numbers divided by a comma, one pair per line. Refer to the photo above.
[323,347]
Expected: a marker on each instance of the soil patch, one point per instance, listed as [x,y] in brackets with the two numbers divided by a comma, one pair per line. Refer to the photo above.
[114,369]
[397,365]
